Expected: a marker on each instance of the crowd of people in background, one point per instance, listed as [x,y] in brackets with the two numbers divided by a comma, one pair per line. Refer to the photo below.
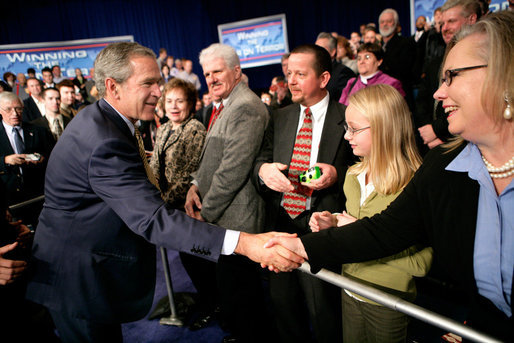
[380,65]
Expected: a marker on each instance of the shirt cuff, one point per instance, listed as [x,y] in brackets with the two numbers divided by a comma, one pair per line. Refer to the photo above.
[230,242]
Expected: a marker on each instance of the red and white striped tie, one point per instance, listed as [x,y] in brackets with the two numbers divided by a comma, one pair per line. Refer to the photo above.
[295,202]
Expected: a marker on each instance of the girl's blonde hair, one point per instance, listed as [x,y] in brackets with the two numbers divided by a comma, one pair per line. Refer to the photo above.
[394,157]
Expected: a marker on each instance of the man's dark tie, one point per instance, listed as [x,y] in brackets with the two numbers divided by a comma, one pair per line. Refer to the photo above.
[295,202]
[215,116]
[20,146]
[142,153]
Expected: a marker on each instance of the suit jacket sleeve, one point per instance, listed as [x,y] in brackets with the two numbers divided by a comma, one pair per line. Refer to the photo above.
[389,232]
[145,214]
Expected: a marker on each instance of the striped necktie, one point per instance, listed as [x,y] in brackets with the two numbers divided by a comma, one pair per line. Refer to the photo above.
[295,202]
[142,153]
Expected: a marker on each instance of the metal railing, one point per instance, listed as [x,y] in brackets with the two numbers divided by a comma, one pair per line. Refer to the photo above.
[398,304]
[26,203]
[383,298]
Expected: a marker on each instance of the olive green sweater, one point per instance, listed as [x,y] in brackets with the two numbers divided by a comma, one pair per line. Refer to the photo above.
[393,273]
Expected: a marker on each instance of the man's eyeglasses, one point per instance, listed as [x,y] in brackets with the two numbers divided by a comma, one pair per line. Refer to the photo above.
[451,73]
[351,131]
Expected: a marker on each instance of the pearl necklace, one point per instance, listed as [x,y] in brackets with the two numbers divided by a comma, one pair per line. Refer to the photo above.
[500,172]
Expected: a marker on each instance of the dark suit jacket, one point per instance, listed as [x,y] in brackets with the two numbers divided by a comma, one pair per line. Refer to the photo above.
[204,115]
[93,250]
[399,61]
[338,79]
[30,110]
[278,145]
[43,122]
[30,184]
[424,111]
[438,208]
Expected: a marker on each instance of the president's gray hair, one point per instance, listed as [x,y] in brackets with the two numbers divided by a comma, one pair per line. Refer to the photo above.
[114,62]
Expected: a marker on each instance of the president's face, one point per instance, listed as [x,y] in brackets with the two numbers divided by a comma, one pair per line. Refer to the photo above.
[137,97]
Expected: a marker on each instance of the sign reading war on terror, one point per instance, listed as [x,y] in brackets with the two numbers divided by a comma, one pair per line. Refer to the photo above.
[68,55]
[258,41]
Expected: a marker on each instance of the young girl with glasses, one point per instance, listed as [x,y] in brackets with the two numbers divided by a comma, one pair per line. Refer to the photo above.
[379,130]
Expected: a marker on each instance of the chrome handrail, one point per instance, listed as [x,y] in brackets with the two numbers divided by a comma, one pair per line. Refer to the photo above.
[398,304]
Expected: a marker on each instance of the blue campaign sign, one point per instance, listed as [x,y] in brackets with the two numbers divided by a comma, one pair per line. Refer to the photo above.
[258,41]
[69,55]
[426,8]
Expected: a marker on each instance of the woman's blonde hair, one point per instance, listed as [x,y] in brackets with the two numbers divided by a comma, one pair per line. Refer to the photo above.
[394,157]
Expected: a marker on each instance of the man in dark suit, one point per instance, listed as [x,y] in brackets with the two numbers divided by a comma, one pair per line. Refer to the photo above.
[53,121]
[400,53]
[93,257]
[340,73]
[429,118]
[22,173]
[204,115]
[276,175]
[48,78]
[33,106]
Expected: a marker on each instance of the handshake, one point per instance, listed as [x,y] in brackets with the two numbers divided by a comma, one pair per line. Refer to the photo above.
[283,252]
[277,251]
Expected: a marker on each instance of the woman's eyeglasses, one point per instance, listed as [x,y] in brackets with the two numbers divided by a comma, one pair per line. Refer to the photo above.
[451,73]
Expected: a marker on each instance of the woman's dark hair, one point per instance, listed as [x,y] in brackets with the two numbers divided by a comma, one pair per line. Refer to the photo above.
[187,87]
[374,48]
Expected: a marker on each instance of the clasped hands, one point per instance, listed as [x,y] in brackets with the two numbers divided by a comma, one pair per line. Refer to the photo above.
[293,245]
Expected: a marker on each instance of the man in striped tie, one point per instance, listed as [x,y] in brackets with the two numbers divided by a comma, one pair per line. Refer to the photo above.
[305,134]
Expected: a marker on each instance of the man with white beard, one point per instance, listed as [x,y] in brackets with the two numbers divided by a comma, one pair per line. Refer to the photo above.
[400,52]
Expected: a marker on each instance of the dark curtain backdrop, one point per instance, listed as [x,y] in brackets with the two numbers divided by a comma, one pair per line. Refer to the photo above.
[184,27]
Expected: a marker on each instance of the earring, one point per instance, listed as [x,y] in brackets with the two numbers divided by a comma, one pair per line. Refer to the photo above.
[507,113]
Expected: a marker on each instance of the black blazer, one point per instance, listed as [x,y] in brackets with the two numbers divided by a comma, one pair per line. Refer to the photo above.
[338,79]
[43,122]
[399,60]
[204,115]
[30,110]
[278,146]
[438,208]
[30,184]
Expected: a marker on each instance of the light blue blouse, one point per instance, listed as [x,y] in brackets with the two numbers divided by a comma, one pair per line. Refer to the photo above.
[493,256]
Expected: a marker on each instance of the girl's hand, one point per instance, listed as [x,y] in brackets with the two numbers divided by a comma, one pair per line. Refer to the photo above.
[322,220]
[344,219]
